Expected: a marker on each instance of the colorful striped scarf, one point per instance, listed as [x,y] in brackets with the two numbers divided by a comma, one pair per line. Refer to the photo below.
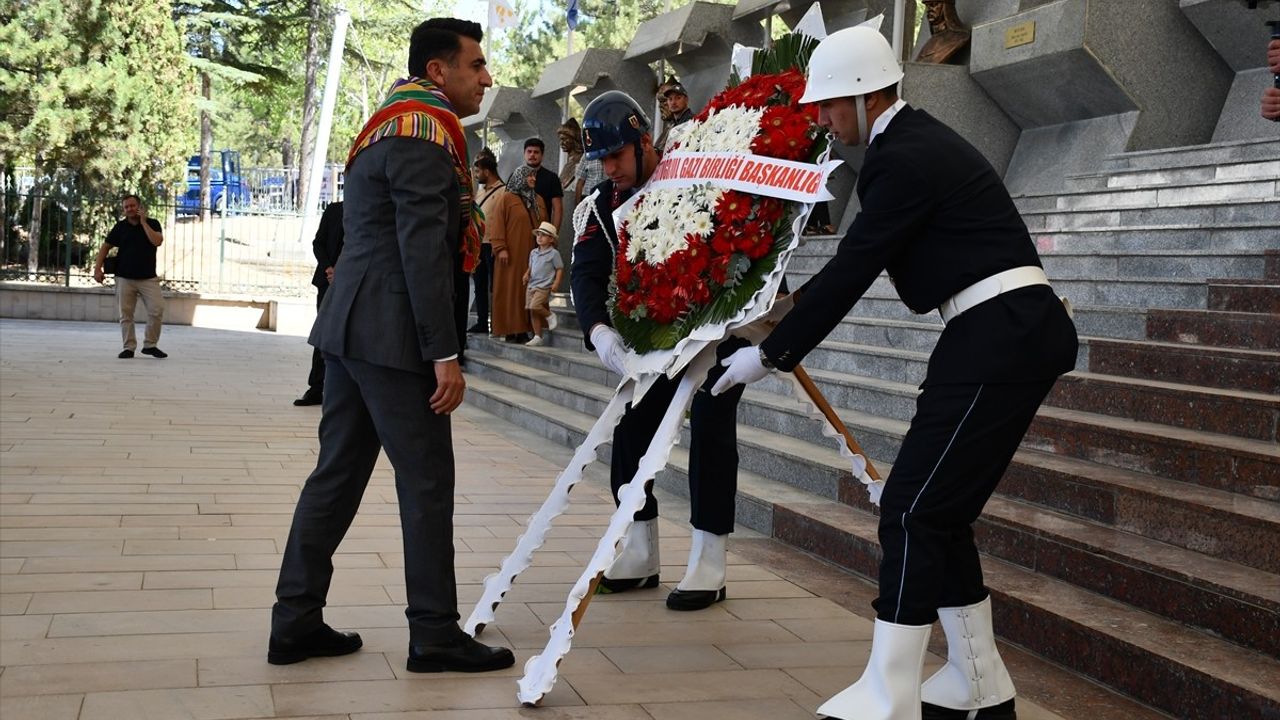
[417,108]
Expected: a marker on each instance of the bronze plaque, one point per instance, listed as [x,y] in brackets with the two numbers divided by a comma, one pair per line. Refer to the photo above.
[1020,34]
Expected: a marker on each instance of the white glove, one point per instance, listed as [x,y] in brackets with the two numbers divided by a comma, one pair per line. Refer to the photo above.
[609,348]
[744,368]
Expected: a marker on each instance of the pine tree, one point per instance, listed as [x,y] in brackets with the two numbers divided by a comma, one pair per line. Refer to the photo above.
[94,88]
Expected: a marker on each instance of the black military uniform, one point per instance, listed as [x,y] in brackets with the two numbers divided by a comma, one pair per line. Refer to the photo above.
[939,219]
[713,447]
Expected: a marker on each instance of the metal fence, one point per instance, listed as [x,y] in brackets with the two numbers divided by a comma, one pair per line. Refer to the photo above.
[52,237]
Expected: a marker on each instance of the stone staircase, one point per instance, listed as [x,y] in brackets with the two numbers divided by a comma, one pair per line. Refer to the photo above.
[1135,539]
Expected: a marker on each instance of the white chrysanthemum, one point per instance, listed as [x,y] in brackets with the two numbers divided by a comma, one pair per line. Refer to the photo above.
[728,130]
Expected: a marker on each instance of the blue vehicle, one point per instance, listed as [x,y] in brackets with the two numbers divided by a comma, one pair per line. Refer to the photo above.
[227,187]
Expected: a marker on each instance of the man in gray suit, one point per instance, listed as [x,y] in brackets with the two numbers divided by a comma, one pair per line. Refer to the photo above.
[390,344]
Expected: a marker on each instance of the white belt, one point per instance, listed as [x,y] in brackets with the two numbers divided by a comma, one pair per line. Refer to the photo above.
[984,290]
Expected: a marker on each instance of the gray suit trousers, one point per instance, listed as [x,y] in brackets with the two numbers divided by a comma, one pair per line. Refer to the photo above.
[368,408]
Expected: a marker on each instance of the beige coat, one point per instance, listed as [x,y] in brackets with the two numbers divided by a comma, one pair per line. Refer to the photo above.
[510,228]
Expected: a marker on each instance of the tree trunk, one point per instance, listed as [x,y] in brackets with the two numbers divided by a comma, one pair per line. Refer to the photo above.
[4,215]
[33,240]
[206,145]
[306,146]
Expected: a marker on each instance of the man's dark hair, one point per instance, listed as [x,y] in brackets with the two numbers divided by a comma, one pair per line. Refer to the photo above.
[535,142]
[439,39]
[486,162]
[131,196]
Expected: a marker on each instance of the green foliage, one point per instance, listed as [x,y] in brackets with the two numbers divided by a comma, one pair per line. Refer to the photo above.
[97,88]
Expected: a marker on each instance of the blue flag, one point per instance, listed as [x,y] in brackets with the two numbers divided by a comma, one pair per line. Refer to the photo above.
[572,15]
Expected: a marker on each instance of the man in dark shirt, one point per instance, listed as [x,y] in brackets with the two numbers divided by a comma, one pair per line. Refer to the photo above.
[938,219]
[548,185]
[136,238]
[326,247]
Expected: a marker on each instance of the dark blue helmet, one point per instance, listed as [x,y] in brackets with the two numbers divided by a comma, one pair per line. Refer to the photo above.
[612,121]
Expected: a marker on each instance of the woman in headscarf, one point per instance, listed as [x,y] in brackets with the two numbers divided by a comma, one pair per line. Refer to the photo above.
[515,215]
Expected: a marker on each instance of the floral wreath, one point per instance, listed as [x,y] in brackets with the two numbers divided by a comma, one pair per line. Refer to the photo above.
[694,256]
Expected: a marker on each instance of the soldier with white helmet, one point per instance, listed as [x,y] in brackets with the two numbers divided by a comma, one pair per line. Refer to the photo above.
[938,219]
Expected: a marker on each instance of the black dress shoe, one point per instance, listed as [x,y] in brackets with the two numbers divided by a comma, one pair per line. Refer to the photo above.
[616,585]
[155,352]
[324,641]
[694,599]
[125,354]
[478,328]
[466,655]
[309,398]
[1003,711]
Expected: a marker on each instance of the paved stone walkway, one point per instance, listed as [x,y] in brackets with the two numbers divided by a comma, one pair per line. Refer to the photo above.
[144,504]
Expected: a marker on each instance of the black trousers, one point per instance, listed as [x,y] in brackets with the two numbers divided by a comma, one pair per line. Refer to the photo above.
[713,446]
[315,379]
[368,408]
[960,442]
[483,280]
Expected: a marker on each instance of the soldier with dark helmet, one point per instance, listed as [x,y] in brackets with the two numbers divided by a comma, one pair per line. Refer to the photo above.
[616,132]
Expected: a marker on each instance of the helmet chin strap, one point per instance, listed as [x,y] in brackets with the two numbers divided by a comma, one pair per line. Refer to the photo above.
[864,130]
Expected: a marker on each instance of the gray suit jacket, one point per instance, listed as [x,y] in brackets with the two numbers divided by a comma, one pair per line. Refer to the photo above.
[391,302]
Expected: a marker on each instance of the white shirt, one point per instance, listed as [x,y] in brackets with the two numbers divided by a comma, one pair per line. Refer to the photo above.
[882,122]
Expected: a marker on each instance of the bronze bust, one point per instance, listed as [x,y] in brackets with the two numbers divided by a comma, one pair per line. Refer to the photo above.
[947,35]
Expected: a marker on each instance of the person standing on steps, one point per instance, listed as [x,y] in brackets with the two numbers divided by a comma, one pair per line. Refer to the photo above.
[543,277]
[938,218]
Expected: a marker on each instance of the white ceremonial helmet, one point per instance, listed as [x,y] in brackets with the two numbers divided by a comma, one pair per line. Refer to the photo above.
[851,63]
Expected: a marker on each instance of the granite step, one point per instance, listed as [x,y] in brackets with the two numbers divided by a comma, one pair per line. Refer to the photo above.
[898,327]
[1261,296]
[1213,522]
[1237,237]
[1238,603]
[1226,412]
[1182,175]
[1104,265]
[777,439]
[1222,153]
[1204,365]
[1218,328]
[1200,583]
[1163,196]
[1253,213]
[835,370]
[1178,669]
[1191,293]
[813,468]
[1239,465]
[1135,246]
